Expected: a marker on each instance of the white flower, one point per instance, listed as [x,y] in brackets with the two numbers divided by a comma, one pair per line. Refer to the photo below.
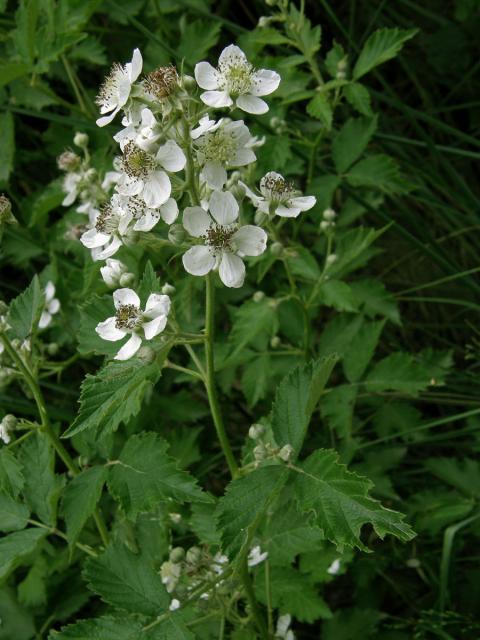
[334,568]
[6,425]
[170,573]
[115,90]
[112,228]
[114,273]
[283,631]
[144,175]
[256,556]
[221,146]
[130,319]
[174,604]
[279,197]
[52,306]
[223,240]
[71,184]
[219,562]
[145,217]
[235,81]
[144,134]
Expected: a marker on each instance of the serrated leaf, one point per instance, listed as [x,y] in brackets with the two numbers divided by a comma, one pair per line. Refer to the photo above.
[115,394]
[7,148]
[17,622]
[127,581]
[197,39]
[25,310]
[338,295]
[319,107]
[12,70]
[32,590]
[354,250]
[379,171]
[203,523]
[337,409]
[334,56]
[13,515]
[464,474]
[359,98]
[173,628]
[361,349]
[106,628]
[145,474]
[245,501]
[381,46]
[42,485]
[90,50]
[351,141]
[16,547]
[95,310]
[80,499]
[11,476]
[398,372]
[340,502]
[375,300]
[256,378]
[296,398]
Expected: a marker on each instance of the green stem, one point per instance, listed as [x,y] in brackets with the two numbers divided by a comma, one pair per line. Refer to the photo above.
[46,427]
[210,377]
[252,600]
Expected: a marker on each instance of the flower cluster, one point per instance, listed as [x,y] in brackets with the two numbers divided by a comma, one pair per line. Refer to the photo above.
[166,131]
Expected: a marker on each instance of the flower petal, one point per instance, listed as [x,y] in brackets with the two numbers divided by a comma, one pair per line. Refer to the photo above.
[109,250]
[108,331]
[198,260]
[125,296]
[45,320]
[206,76]
[157,304]
[93,238]
[147,221]
[304,203]
[232,270]
[214,175]
[171,157]
[252,104]
[196,221]
[223,207]
[265,82]
[130,348]
[102,122]
[285,211]
[216,99]
[49,291]
[136,65]
[53,306]
[154,327]
[169,211]
[250,240]
[157,189]
[250,194]
[232,55]
[242,157]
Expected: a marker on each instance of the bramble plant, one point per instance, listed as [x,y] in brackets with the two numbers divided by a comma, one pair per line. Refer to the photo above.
[217,277]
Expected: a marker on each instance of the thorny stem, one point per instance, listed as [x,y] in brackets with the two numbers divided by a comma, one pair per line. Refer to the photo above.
[46,427]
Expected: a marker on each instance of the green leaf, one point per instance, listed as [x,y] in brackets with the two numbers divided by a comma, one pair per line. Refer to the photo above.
[340,502]
[16,547]
[256,379]
[361,349]
[80,499]
[106,628]
[173,628]
[197,39]
[145,475]
[127,581]
[357,95]
[338,295]
[116,393]
[13,515]
[32,590]
[334,56]
[378,171]
[42,486]
[354,250]
[96,310]
[346,623]
[12,70]
[351,141]
[11,476]
[296,398]
[381,46]
[17,622]
[337,409]
[90,50]
[203,523]
[319,107]
[375,300]
[7,148]
[245,502]
[25,310]
[464,474]
[398,372]
[304,265]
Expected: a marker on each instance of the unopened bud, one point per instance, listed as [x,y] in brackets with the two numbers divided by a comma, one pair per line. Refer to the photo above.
[277,249]
[83,461]
[6,215]
[329,214]
[256,431]
[325,225]
[275,342]
[342,65]
[188,82]
[175,517]
[146,355]
[68,161]
[340,75]
[286,452]
[3,307]
[264,21]
[259,452]
[331,259]
[193,555]
[258,296]
[80,140]
[168,289]
[413,563]
[176,234]
[126,279]
[177,554]
[260,217]
[9,422]
[91,174]
[52,349]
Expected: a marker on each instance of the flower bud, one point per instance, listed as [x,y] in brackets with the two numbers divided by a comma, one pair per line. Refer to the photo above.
[260,217]
[194,555]
[168,289]
[413,563]
[258,296]
[342,65]
[188,82]
[146,354]
[83,461]
[286,452]
[277,249]
[126,279]
[6,215]
[275,342]
[68,161]
[329,214]
[325,225]
[256,431]
[52,349]
[340,75]
[175,517]
[259,453]
[264,21]
[177,554]
[91,174]
[176,234]
[80,140]
[331,259]
[10,421]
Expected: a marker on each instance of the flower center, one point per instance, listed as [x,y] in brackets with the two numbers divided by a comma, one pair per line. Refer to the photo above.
[110,85]
[127,316]
[219,146]
[236,76]
[277,188]
[219,237]
[107,221]
[136,162]
[162,82]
